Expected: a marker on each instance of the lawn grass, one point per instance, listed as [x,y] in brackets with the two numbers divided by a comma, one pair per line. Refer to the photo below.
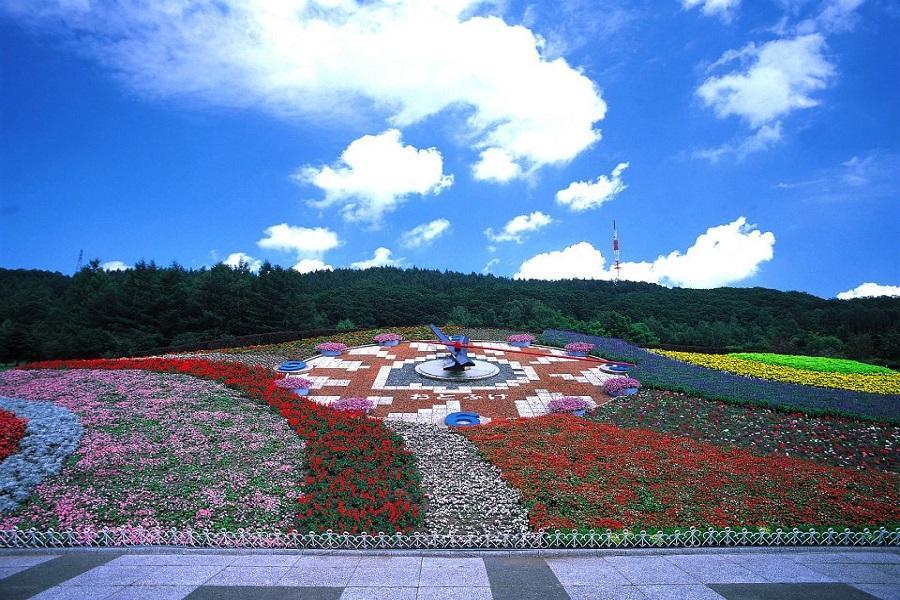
[814,363]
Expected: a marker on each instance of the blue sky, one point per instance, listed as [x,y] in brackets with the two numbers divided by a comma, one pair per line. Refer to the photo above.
[735,143]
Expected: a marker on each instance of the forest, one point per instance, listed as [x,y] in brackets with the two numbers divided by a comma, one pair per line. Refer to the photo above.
[150,308]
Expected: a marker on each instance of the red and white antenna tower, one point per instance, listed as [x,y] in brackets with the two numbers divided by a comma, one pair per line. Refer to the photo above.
[618,265]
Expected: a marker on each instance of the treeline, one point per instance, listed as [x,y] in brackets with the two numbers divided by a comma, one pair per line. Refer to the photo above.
[99,313]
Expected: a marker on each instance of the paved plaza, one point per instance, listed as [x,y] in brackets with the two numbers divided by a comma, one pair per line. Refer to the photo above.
[732,574]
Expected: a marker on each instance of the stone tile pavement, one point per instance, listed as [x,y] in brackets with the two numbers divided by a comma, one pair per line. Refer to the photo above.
[713,574]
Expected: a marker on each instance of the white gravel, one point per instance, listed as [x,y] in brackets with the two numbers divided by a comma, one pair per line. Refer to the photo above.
[464,493]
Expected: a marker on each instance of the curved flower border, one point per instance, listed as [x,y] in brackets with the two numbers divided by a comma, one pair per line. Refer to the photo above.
[52,434]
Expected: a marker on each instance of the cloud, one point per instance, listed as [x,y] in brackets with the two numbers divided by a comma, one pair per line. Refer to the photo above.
[762,139]
[375,174]
[308,265]
[724,9]
[303,241]
[425,234]
[405,60]
[516,228]
[775,79]
[584,195]
[381,258]
[870,290]
[497,165]
[724,254]
[863,177]
[115,265]
[836,16]
[579,261]
[490,265]
[235,259]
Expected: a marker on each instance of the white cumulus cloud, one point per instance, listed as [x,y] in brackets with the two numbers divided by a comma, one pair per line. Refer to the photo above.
[774,79]
[425,234]
[308,265]
[724,254]
[519,226]
[724,9]
[115,265]
[235,259]
[375,174]
[578,261]
[495,164]
[583,195]
[404,60]
[381,258]
[303,241]
[870,290]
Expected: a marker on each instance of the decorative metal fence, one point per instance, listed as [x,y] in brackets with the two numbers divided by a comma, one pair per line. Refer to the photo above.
[686,538]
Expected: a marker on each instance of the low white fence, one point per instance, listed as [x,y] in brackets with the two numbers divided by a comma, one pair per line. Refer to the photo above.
[692,537]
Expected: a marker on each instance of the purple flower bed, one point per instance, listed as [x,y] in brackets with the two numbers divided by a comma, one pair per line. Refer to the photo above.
[617,384]
[387,337]
[567,404]
[520,338]
[660,372]
[294,383]
[354,403]
[331,347]
[582,347]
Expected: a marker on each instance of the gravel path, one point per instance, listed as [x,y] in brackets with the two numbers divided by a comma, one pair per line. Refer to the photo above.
[465,494]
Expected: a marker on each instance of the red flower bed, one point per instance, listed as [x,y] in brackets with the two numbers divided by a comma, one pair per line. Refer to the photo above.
[360,476]
[12,429]
[575,473]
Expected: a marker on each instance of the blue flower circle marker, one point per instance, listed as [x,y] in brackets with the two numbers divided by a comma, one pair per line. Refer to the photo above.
[462,419]
[291,366]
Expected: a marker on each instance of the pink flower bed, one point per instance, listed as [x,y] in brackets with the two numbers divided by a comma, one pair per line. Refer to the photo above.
[161,450]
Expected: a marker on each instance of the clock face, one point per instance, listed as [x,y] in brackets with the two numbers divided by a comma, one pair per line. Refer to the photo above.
[526,379]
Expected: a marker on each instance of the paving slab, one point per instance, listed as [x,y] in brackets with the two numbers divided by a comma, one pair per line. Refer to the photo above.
[649,570]
[379,593]
[789,591]
[781,569]
[99,592]
[317,576]
[880,590]
[111,575]
[523,579]
[855,572]
[186,560]
[714,569]
[611,592]
[7,571]
[389,571]
[24,560]
[678,592]
[454,593]
[179,575]
[153,592]
[50,573]
[586,571]
[213,592]
[264,560]
[248,576]
[453,572]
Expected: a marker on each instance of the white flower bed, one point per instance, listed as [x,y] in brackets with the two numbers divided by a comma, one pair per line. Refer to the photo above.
[52,434]
[465,494]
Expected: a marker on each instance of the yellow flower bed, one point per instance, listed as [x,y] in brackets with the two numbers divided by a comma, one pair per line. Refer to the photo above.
[875,383]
